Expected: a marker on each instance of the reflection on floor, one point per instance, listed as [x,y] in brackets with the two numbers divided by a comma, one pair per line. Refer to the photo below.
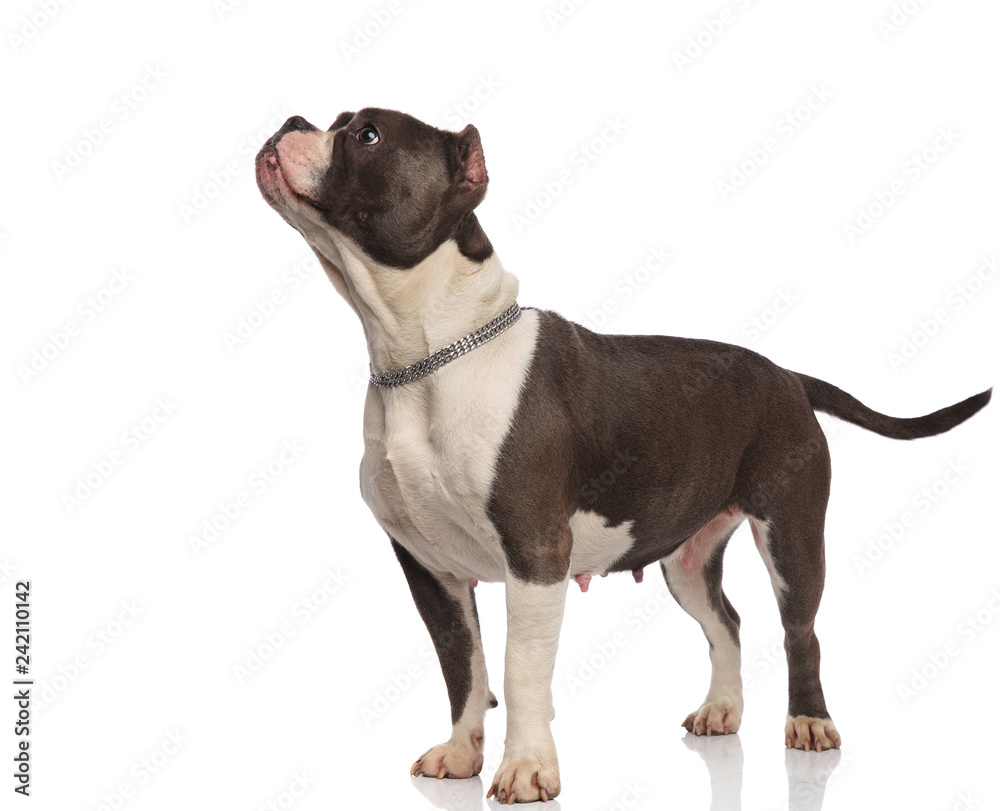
[723,757]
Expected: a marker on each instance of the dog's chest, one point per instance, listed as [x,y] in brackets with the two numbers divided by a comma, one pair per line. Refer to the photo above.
[430,452]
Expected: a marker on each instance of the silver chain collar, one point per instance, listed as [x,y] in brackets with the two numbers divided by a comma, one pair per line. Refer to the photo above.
[432,363]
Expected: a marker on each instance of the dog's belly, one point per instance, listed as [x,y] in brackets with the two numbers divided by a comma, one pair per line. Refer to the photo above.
[447,528]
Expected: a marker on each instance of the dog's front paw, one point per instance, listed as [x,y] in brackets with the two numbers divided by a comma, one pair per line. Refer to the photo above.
[811,734]
[714,718]
[451,759]
[526,779]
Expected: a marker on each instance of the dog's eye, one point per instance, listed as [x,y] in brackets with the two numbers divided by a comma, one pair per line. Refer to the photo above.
[368,135]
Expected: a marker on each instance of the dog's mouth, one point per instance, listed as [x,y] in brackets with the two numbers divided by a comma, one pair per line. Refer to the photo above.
[268,171]
[271,180]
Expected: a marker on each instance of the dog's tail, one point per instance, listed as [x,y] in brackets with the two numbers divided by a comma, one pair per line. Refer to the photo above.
[828,398]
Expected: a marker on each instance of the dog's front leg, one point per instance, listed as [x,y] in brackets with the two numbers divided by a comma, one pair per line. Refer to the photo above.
[448,608]
[529,770]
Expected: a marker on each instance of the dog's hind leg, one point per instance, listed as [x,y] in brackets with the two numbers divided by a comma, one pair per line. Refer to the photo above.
[448,608]
[788,512]
[694,576]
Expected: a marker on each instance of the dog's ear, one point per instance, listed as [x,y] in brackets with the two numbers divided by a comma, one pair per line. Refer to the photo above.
[472,178]
[470,152]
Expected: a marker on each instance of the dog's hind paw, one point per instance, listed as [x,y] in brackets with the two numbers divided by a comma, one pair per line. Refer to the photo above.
[811,734]
[450,760]
[714,718]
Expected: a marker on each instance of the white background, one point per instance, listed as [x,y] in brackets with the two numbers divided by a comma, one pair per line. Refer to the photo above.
[146,202]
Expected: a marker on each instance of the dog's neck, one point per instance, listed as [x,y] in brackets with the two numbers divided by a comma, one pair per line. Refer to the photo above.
[409,314]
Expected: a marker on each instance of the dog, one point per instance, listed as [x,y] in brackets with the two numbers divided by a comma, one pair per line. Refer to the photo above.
[486,427]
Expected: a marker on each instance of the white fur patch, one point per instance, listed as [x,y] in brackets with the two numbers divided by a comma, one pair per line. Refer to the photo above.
[762,538]
[726,687]
[595,544]
[409,314]
[534,618]
[430,449]
[723,706]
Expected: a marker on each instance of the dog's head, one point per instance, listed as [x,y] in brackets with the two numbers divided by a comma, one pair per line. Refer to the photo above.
[396,187]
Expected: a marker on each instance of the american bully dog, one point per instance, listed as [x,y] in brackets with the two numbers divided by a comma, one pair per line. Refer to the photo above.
[487,425]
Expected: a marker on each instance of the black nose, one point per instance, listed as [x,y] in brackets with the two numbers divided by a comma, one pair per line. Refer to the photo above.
[294,124]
